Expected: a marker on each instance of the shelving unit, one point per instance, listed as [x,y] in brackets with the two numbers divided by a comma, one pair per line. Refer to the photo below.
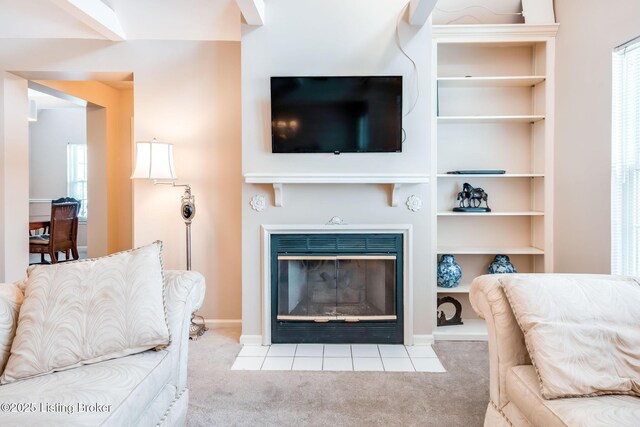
[493,100]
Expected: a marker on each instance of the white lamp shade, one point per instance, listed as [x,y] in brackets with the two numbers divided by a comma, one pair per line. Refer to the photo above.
[154,160]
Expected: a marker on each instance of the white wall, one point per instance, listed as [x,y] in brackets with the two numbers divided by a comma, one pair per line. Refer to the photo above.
[589,30]
[187,93]
[48,139]
[462,12]
[333,37]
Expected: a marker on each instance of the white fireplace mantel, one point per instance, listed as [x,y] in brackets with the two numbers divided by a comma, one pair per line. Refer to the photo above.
[405,229]
[278,181]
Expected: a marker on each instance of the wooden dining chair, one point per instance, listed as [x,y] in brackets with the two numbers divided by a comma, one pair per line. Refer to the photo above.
[63,233]
[68,200]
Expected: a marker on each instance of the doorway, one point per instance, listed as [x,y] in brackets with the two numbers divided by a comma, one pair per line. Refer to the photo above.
[80,146]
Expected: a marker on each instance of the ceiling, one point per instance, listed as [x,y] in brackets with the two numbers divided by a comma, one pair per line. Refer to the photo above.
[47,102]
[139,19]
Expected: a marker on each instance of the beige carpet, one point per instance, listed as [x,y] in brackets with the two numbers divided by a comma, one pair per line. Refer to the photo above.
[221,397]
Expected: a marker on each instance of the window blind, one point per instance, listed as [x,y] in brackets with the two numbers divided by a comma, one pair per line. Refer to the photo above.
[77,175]
[625,161]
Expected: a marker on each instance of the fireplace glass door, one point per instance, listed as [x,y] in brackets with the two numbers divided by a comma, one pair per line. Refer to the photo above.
[346,288]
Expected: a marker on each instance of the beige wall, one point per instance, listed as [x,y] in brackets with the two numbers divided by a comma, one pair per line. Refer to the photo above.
[14,177]
[589,30]
[187,93]
[97,179]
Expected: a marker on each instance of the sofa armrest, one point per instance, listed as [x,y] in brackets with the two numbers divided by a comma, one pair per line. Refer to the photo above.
[184,295]
[506,341]
[11,298]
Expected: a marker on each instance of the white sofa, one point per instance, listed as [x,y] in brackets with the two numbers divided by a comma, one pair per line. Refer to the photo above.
[515,392]
[144,389]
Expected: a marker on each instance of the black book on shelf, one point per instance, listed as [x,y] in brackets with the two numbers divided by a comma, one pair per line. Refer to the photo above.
[478,172]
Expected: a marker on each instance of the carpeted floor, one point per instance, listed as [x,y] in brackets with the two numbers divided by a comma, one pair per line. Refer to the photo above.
[221,397]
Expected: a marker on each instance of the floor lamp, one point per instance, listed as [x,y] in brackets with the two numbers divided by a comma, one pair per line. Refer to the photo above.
[154,161]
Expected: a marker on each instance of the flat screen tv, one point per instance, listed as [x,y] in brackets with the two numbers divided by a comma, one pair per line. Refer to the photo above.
[336,114]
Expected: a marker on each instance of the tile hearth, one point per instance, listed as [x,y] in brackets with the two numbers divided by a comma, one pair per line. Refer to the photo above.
[338,357]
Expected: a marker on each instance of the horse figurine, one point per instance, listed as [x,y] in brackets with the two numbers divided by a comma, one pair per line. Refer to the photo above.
[471,199]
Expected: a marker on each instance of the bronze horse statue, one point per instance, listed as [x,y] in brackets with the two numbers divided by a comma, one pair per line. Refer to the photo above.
[471,197]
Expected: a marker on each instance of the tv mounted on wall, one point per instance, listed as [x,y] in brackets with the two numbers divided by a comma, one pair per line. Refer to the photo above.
[336,114]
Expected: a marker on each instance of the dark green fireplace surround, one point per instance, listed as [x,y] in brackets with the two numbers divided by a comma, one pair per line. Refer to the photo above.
[337,288]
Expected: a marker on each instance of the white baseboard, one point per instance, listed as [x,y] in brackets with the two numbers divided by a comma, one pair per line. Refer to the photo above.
[251,339]
[220,323]
[423,339]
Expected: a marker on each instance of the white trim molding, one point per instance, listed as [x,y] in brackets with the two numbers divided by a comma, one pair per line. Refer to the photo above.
[407,286]
[278,181]
[420,10]
[251,340]
[96,15]
[481,33]
[423,340]
[252,11]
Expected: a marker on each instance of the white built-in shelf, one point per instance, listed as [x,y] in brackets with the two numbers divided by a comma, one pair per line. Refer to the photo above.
[498,77]
[278,181]
[490,119]
[461,250]
[494,213]
[507,81]
[484,175]
[462,288]
[472,330]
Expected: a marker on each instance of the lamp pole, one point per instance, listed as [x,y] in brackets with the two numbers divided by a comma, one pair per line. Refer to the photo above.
[188,211]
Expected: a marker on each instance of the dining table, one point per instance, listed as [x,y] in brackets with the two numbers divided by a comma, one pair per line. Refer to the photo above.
[39,222]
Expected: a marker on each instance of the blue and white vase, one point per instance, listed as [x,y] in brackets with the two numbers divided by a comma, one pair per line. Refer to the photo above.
[449,272]
[501,265]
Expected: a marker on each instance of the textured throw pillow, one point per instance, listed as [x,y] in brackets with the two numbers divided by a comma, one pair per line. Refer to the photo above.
[88,311]
[582,333]
[10,300]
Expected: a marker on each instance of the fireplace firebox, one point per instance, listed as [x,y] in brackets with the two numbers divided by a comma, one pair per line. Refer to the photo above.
[336,288]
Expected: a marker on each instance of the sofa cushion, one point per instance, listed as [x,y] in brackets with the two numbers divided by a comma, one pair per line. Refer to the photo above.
[582,333]
[111,393]
[89,311]
[524,391]
[10,301]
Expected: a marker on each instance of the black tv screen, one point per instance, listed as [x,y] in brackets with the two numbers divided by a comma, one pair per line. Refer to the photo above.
[336,114]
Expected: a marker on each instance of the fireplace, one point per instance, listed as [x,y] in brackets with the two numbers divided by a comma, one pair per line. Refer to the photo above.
[336,288]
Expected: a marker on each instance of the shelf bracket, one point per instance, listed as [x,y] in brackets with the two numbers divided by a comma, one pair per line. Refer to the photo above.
[395,194]
[278,193]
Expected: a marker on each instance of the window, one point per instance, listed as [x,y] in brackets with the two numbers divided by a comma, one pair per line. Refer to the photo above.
[77,175]
[625,161]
